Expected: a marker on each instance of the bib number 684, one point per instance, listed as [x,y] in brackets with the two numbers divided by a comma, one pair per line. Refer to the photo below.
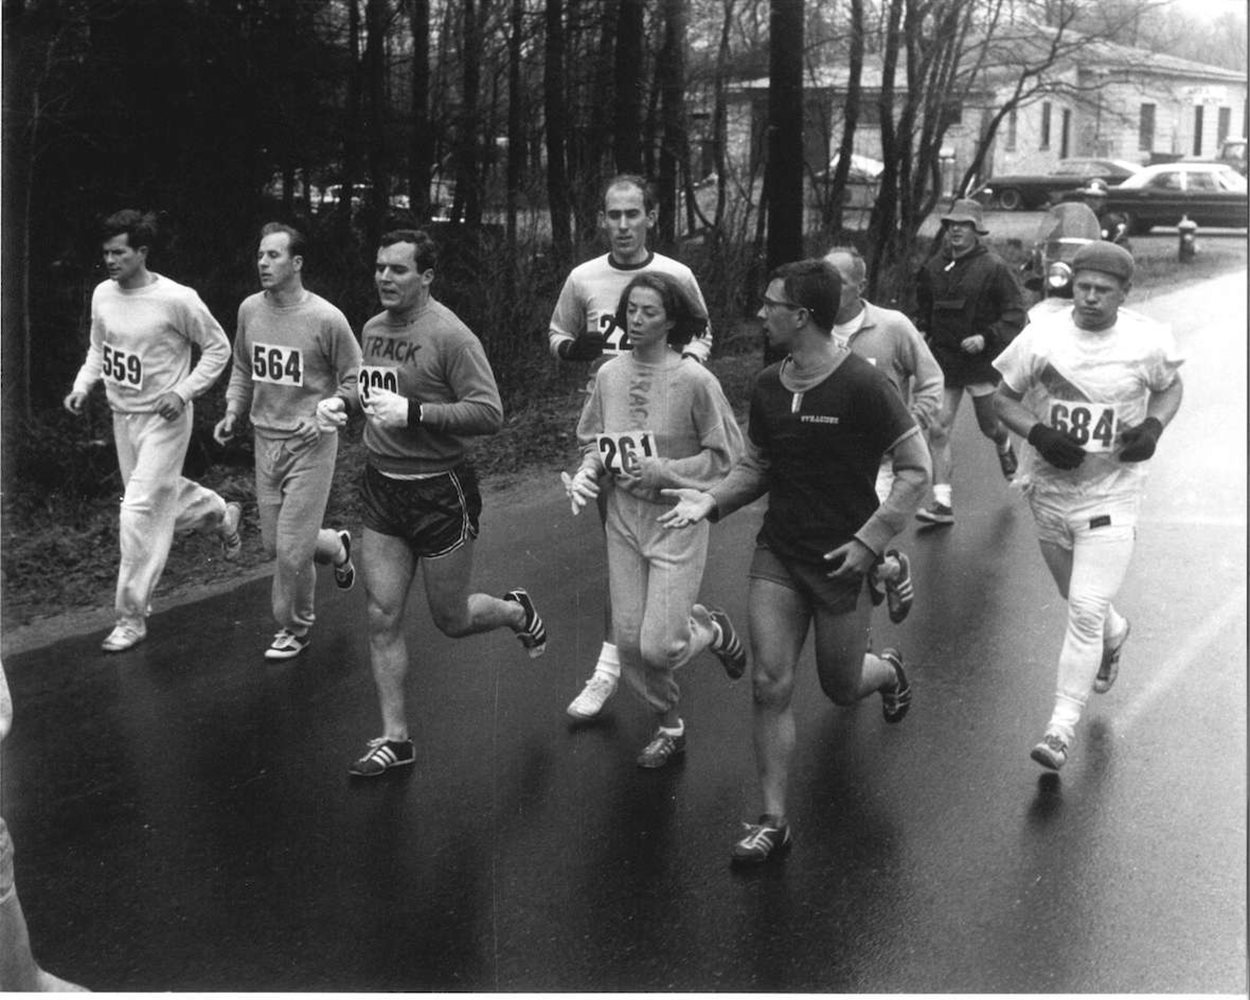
[1091,425]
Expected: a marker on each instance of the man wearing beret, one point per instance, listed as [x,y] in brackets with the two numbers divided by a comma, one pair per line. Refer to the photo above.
[1091,390]
[969,307]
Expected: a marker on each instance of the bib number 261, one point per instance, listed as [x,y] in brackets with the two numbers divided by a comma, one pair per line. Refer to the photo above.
[620,452]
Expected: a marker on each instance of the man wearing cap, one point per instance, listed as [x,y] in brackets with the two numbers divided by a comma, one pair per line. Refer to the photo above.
[1091,390]
[969,307]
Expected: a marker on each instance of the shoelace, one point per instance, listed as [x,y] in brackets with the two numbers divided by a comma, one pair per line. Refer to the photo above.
[757,836]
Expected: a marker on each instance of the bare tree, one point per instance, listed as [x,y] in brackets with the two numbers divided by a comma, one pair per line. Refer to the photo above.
[556,123]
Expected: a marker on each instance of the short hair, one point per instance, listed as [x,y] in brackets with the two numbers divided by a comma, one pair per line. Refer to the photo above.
[296,243]
[858,266]
[649,200]
[139,228]
[814,285]
[689,321]
[425,250]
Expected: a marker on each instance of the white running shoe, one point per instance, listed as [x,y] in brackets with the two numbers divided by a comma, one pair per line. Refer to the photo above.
[598,690]
[231,542]
[123,636]
[286,644]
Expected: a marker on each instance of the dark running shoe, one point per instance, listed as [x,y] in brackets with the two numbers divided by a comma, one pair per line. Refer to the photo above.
[769,838]
[662,749]
[899,592]
[345,572]
[896,700]
[1109,669]
[1008,463]
[533,634]
[382,755]
[937,513]
[729,649]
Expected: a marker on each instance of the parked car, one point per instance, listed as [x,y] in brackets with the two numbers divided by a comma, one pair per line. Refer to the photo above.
[1013,192]
[1211,194]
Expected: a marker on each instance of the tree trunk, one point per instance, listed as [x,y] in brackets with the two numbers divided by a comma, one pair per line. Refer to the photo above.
[421,148]
[468,203]
[672,79]
[628,87]
[516,123]
[556,115]
[835,197]
[376,16]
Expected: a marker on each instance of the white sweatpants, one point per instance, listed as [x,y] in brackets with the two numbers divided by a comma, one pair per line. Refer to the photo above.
[158,502]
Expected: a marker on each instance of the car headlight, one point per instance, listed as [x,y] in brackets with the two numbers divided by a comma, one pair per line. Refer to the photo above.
[1058,275]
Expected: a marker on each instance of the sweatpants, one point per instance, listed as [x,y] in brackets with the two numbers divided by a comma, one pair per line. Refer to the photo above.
[292,488]
[157,502]
[654,576]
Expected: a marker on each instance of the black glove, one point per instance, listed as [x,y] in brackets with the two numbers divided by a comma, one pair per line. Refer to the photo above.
[1056,447]
[1138,443]
[587,347]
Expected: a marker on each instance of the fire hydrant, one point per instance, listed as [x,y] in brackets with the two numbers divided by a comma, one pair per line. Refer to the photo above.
[1188,239]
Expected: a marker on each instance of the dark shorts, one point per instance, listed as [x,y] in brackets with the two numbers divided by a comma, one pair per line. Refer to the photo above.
[435,516]
[835,596]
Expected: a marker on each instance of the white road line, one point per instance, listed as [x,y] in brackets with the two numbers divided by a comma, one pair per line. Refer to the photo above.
[1183,659]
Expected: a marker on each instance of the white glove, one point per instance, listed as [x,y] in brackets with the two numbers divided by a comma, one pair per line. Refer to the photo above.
[331,414]
[580,488]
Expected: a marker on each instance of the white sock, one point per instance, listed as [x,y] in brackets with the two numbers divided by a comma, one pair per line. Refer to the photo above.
[1066,715]
[609,661]
[1113,626]
[942,494]
[674,731]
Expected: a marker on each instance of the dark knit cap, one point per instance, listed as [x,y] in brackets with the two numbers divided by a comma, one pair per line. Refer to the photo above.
[1106,257]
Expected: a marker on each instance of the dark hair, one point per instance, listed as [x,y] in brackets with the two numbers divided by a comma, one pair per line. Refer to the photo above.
[296,243]
[814,285]
[424,249]
[139,228]
[635,181]
[688,319]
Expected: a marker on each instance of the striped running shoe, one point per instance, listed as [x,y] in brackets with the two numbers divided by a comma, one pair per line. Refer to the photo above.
[381,756]
[1109,669]
[533,634]
[728,648]
[769,838]
[899,592]
[896,700]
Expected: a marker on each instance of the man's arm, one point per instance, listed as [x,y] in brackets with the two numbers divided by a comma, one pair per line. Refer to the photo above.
[912,471]
[201,328]
[1011,314]
[927,381]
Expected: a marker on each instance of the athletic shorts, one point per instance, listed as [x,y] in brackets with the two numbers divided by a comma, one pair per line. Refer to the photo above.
[978,389]
[1064,522]
[838,597]
[435,516]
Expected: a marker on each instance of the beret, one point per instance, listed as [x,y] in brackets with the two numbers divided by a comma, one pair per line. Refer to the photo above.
[1106,257]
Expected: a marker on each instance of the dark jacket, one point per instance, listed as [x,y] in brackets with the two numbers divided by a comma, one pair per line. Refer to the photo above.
[955,299]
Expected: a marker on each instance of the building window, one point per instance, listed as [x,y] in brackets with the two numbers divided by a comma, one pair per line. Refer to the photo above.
[1198,109]
[1012,125]
[1045,125]
[1146,128]
[1223,123]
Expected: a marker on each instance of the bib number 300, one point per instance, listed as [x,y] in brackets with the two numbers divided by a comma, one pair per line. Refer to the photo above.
[1092,425]
[377,377]
[620,452]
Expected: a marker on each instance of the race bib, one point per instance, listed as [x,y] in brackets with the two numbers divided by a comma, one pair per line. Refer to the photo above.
[620,452]
[615,340]
[277,365]
[1091,425]
[377,377]
[122,370]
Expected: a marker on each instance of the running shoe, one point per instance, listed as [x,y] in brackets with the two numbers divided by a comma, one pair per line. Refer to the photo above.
[729,648]
[597,691]
[769,838]
[1008,463]
[662,748]
[1051,751]
[899,592]
[896,700]
[124,636]
[345,572]
[381,756]
[231,541]
[533,634]
[286,644]
[1109,669]
[937,513]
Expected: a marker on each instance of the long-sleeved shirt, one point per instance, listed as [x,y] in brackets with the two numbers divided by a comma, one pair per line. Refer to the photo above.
[436,360]
[814,446]
[289,358]
[673,417]
[887,339]
[141,344]
[591,293]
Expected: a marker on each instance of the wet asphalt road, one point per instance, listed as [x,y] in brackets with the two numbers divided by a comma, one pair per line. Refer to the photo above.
[184,820]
